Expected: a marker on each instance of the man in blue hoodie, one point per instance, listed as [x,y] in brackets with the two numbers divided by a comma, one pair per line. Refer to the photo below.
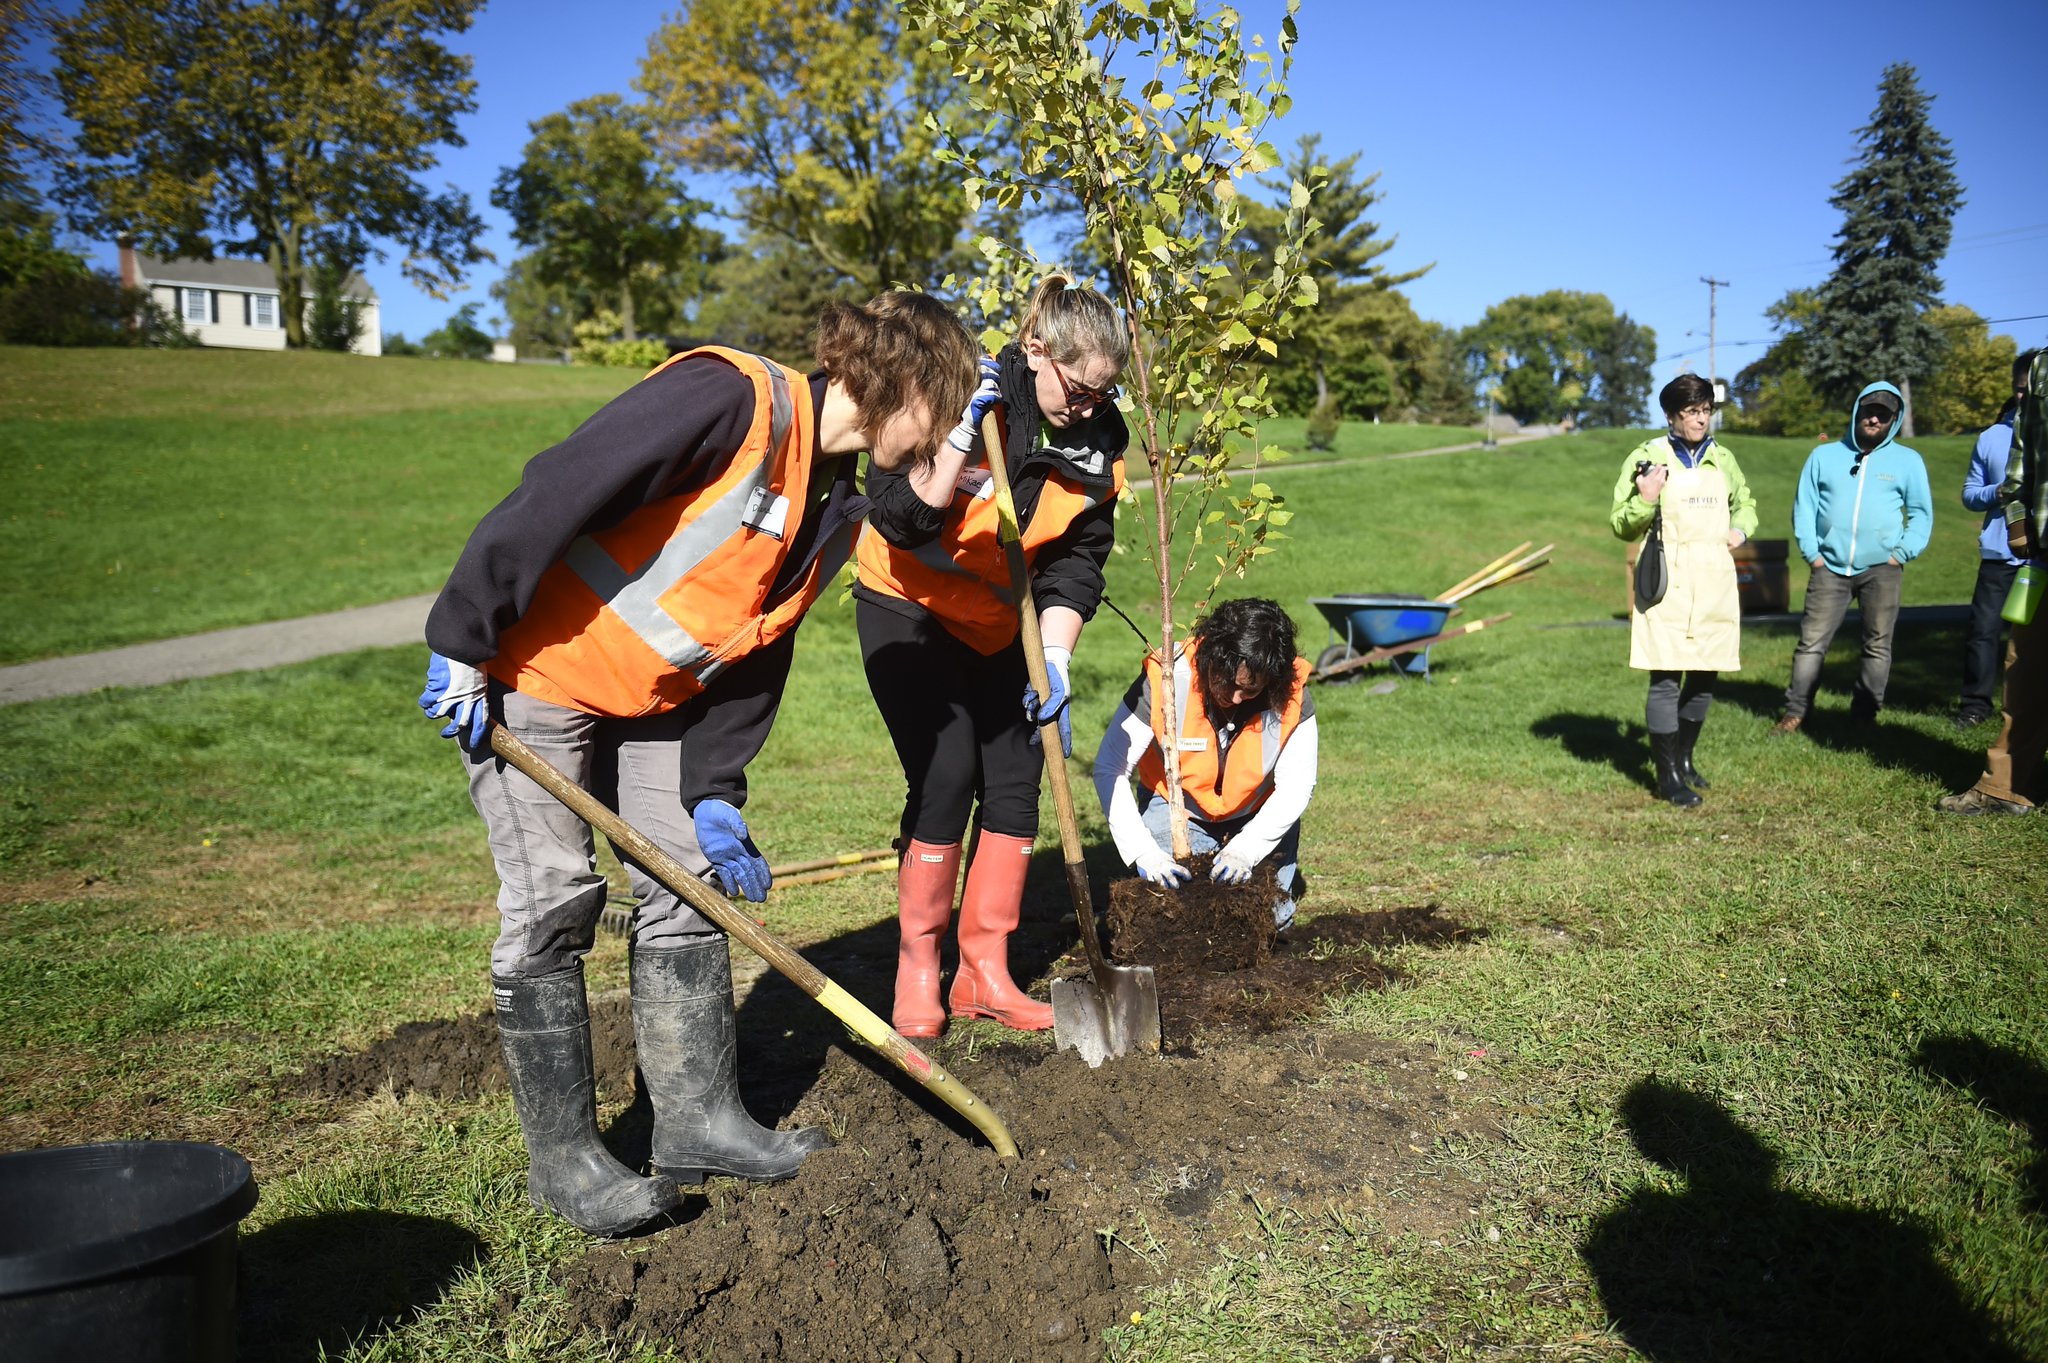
[1983,657]
[1863,512]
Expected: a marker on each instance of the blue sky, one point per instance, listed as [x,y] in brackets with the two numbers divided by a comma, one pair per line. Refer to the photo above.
[1522,147]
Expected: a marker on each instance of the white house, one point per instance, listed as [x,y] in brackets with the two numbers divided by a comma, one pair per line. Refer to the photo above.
[235,303]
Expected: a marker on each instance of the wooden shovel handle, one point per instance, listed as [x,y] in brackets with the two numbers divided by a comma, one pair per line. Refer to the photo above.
[1048,733]
[858,1017]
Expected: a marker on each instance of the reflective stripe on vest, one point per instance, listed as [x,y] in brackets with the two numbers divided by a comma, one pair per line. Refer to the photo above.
[635,597]
[961,575]
[1212,797]
[637,618]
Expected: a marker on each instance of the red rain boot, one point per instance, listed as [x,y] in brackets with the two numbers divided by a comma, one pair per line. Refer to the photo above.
[988,915]
[924,903]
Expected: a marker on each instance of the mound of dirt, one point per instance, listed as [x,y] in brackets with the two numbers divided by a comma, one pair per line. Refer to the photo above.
[908,1240]
[1202,926]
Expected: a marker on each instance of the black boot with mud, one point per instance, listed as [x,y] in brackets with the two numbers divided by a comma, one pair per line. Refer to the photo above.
[683,1032]
[544,1025]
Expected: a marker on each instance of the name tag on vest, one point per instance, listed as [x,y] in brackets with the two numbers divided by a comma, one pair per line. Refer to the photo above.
[766,512]
[1194,745]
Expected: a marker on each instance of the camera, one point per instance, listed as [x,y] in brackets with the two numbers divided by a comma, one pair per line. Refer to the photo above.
[1643,467]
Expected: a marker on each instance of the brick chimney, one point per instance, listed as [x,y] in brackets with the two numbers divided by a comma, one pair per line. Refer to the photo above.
[131,268]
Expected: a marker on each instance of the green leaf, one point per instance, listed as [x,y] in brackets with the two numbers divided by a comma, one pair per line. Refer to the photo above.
[1237,333]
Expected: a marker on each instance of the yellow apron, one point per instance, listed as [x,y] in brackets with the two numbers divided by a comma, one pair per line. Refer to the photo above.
[1697,627]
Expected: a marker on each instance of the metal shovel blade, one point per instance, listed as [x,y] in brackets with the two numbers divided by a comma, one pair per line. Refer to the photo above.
[1099,1026]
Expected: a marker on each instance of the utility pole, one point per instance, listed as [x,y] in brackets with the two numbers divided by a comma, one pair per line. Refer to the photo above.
[1713,375]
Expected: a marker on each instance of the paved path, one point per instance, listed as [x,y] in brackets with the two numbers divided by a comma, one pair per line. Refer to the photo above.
[252,647]
[228,650]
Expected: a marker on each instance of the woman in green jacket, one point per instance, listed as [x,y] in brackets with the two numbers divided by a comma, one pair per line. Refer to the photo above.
[1695,631]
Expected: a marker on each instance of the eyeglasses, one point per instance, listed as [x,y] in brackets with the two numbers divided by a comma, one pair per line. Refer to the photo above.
[1080,394]
[1697,409]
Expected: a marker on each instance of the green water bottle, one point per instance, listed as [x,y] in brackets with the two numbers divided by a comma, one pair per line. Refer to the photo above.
[2025,595]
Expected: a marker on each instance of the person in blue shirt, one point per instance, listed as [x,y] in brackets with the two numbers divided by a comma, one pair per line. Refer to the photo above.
[1862,513]
[1983,658]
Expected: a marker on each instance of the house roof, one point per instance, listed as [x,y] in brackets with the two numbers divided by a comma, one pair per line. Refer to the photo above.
[230,274]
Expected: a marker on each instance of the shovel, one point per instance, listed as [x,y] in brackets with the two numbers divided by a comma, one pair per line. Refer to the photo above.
[858,1017]
[1115,1010]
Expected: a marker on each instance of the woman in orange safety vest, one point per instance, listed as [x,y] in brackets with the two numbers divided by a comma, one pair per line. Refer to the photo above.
[1247,743]
[939,636]
[629,611]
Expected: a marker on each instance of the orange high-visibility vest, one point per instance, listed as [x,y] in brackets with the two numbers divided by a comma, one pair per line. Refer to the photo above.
[1239,781]
[637,619]
[960,574]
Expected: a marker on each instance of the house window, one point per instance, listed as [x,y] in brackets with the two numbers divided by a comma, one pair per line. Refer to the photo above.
[263,311]
[197,305]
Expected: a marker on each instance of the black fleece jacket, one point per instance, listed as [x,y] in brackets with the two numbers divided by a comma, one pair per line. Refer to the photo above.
[665,435]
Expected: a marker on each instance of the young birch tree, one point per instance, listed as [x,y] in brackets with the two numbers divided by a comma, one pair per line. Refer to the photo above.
[1154,114]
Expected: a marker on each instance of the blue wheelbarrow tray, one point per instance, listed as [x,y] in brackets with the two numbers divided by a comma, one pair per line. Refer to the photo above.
[1369,620]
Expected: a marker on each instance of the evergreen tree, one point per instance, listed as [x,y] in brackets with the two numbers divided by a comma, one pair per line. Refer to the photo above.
[1897,206]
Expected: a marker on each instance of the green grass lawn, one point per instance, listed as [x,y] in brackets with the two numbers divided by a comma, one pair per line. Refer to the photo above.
[209,883]
[157,493]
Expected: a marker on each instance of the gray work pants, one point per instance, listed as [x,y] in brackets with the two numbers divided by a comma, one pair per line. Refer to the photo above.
[1828,593]
[551,892]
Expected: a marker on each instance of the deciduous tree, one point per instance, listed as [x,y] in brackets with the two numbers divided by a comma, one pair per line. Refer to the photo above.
[1563,354]
[600,214]
[1154,117]
[1897,208]
[287,130]
[820,109]
[1351,327]
[1974,378]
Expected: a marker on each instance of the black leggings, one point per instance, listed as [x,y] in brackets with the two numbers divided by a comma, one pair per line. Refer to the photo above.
[1675,696]
[957,719]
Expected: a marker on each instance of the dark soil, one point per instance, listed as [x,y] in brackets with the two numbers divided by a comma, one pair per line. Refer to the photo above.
[1202,926]
[910,1239]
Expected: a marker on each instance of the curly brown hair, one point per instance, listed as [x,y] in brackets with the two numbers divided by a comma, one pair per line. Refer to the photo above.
[897,349]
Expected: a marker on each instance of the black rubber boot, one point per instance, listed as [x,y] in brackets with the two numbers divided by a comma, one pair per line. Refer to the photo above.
[1688,735]
[683,1029]
[1670,786]
[544,1024]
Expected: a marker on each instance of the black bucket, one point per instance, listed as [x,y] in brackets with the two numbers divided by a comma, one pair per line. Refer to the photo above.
[121,1251]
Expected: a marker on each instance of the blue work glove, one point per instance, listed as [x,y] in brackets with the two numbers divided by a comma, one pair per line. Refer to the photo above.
[1229,868]
[1057,660]
[967,435]
[456,692]
[722,834]
[1157,868]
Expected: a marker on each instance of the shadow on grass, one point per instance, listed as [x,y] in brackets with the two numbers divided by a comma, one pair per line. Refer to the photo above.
[1621,744]
[1737,1268]
[2007,1081]
[313,1286]
[784,1037]
[1950,762]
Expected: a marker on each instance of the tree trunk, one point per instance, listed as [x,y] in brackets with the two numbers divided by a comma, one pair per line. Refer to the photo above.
[1322,385]
[1906,392]
[627,332]
[287,263]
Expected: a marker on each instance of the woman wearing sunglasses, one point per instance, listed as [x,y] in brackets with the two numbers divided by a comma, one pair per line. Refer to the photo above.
[939,638]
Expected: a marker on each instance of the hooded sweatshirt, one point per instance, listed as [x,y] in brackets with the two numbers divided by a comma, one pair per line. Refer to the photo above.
[1855,510]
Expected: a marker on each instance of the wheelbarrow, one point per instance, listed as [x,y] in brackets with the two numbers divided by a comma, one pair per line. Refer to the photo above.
[1370,622]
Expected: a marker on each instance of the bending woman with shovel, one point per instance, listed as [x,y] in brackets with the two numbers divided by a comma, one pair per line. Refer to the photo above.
[939,637]
[629,612]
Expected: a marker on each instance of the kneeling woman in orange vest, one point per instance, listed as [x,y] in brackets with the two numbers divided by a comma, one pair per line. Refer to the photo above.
[629,612]
[939,636]
[1247,745]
